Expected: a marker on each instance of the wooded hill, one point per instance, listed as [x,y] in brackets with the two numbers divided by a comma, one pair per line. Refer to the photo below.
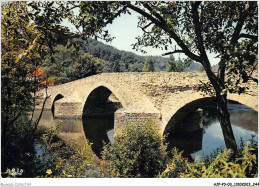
[68,64]
[114,60]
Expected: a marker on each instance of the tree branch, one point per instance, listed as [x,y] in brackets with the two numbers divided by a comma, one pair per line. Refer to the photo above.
[239,25]
[158,16]
[205,61]
[236,35]
[252,71]
[252,37]
[197,27]
[145,14]
[40,116]
[253,79]
[117,14]
[176,51]
[147,25]
[167,30]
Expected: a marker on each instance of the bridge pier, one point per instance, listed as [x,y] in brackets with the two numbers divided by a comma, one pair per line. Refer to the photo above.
[67,109]
[123,117]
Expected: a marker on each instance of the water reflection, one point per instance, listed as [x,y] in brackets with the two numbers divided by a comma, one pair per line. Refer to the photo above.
[244,123]
[202,138]
[187,134]
[71,129]
[99,131]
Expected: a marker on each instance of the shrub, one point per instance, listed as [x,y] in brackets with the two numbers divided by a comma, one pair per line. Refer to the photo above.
[138,151]
[225,164]
[66,160]
[15,153]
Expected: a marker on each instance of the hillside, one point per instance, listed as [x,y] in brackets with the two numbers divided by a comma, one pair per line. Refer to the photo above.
[114,60]
[95,57]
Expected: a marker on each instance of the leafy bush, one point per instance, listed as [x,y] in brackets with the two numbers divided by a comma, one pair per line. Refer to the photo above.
[225,164]
[138,151]
[17,151]
[60,160]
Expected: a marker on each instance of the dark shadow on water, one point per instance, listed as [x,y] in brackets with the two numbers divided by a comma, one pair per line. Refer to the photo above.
[96,131]
[98,117]
[200,132]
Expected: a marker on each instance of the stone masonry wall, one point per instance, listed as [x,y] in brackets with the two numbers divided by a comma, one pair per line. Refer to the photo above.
[133,118]
[147,95]
[69,110]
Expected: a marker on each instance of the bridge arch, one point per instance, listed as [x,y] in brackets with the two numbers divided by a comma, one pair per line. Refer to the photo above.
[98,116]
[191,105]
[95,88]
[97,103]
[245,99]
[195,101]
[56,98]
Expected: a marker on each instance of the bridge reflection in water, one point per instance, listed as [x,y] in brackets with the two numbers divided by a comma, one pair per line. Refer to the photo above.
[204,134]
[207,135]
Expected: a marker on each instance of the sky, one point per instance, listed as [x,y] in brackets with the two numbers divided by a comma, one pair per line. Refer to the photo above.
[125,30]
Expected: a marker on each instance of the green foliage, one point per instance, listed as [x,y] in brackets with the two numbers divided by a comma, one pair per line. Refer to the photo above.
[112,59]
[17,56]
[29,32]
[70,64]
[18,151]
[148,65]
[138,151]
[171,65]
[54,79]
[177,65]
[117,60]
[206,87]
[60,160]
[227,29]
[224,164]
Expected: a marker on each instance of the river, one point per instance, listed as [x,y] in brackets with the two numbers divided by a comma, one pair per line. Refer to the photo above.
[202,141]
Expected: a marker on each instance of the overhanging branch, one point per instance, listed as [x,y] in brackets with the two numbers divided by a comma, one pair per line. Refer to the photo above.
[143,28]
[239,25]
[158,16]
[168,30]
[116,15]
[176,51]
[198,32]
[252,37]
[236,35]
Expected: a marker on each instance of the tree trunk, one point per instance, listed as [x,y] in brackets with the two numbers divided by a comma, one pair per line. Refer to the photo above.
[225,124]
[223,113]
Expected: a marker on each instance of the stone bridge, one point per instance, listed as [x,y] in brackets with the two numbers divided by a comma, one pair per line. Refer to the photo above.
[164,97]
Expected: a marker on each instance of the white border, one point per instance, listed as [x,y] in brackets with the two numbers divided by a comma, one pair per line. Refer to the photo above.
[126,181]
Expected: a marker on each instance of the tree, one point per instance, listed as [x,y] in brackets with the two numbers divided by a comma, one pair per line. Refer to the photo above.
[177,65]
[148,65]
[138,151]
[171,65]
[116,66]
[228,29]
[28,35]
[24,43]
[70,65]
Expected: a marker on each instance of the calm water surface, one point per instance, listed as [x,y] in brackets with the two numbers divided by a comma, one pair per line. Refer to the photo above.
[205,140]
[202,141]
